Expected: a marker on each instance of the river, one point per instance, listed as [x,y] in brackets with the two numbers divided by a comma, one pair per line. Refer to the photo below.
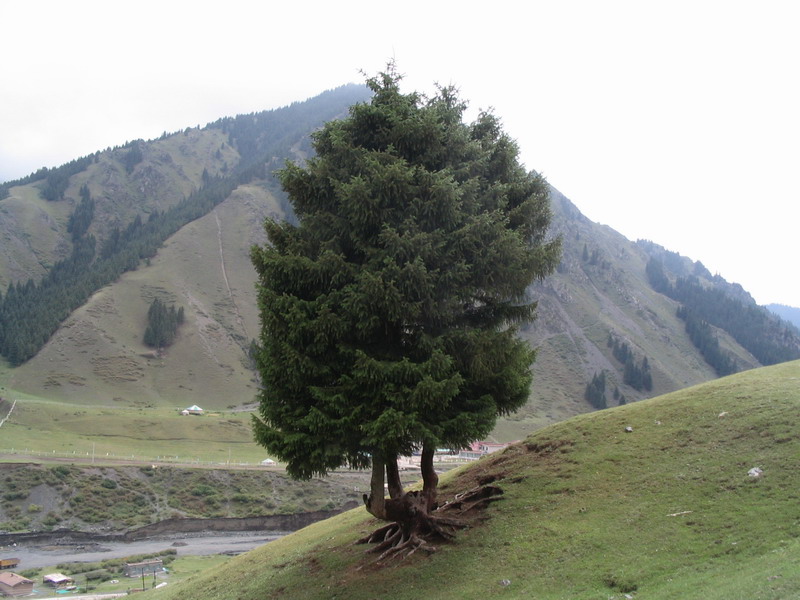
[36,554]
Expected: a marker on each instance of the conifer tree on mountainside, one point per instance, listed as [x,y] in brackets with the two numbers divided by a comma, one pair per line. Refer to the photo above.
[595,393]
[81,218]
[388,314]
[162,324]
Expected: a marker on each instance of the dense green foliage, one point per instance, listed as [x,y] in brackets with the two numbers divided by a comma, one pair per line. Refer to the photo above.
[704,340]
[596,391]
[81,218]
[162,324]
[133,156]
[31,312]
[264,139]
[635,373]
[388,314]
[764,335]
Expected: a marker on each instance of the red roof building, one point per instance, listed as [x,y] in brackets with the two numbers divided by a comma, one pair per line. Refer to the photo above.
[12,584]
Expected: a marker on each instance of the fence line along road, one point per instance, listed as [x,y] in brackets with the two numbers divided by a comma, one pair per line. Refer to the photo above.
[20,454]
[84,457]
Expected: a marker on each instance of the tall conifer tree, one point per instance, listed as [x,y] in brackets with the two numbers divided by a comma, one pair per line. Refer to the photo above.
[388,313]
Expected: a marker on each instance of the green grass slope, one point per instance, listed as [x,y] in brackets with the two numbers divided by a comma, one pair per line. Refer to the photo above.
[43,428]
[667,511]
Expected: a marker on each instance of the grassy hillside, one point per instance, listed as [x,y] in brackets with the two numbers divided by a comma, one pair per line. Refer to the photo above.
[120,431]
[98,356]
[667,511]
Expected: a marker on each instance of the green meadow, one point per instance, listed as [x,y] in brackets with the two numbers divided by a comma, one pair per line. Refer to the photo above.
[45,429]
[665,510]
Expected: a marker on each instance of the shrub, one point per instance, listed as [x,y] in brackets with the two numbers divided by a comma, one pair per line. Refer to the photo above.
[51,520]
[202,490]
[30,573]
[60,471]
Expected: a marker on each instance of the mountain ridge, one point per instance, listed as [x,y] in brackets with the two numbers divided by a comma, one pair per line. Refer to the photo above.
[598,301]
[787,313]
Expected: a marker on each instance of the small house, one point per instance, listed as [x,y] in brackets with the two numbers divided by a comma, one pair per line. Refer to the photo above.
[192,410]
[489,447]
[147,567]
[12,584]
[480,449]
[57,580]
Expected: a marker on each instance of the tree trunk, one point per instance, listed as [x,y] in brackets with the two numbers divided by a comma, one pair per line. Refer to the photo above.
[376,502]
[393,479]
[430,480]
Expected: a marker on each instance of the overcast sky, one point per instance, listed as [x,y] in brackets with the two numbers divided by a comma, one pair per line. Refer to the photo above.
[673,121]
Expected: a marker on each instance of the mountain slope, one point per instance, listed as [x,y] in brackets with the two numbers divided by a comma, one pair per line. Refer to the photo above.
[667,511]
[599,299]
[600,291]
[787,313]
[129,216]
[98,353]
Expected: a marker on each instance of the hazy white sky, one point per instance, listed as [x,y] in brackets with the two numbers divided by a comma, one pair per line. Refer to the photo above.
[673,121]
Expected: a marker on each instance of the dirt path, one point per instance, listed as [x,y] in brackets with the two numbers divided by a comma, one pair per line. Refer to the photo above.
[225,277]
[10,410]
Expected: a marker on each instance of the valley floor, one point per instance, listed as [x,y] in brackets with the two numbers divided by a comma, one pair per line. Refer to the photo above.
[34,555]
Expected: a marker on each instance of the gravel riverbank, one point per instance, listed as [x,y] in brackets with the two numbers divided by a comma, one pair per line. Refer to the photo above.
[33,554]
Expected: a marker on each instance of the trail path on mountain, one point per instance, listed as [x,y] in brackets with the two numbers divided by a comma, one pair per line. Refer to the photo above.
[10,410]
[225,277]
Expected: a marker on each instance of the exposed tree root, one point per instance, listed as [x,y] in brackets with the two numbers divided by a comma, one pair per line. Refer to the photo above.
[478,497]
[416,528]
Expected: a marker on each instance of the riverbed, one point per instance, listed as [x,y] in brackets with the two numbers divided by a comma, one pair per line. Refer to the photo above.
[33,554]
